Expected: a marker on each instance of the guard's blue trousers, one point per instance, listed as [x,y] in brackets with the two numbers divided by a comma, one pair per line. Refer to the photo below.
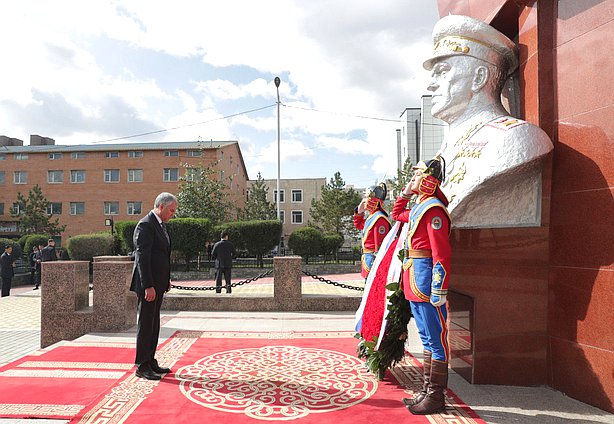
[432,328]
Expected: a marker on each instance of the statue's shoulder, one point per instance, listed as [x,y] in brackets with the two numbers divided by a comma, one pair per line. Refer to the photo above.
[519,133]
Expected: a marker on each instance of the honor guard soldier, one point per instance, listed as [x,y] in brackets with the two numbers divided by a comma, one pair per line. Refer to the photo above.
[425,275]
[372,219]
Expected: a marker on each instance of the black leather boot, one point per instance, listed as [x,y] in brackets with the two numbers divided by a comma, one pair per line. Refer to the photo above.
[427,381]
[435,399]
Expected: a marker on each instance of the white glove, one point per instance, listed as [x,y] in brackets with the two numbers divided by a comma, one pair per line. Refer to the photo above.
[438,300]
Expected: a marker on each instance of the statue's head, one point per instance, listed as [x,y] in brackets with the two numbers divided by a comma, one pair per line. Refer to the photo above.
[468,56]
[375,196]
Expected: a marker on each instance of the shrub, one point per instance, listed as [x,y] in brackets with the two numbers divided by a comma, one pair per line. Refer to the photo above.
[258,237]
[188,236]
[306,242]
[84,247]
[331,242]
[17,252]
[35,240]
[123,236]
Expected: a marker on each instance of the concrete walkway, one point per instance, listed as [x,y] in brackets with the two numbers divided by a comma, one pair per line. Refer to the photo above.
[20,333]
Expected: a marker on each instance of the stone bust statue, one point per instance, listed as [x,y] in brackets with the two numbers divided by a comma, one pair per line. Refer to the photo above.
[493,160]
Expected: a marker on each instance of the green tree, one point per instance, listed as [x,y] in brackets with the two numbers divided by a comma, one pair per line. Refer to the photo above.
[397,184]
[257,206]
[33,215]
[333,212]
[202,195]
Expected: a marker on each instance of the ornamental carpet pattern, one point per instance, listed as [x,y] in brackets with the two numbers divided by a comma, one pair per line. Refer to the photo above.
[222,377]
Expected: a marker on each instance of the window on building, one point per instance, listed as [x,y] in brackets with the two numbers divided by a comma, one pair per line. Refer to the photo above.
[20,177]
[297,217]
[77,208]
[297,196]
[134,208]
[281,196]
[21,156]
[194,153]
[1,177]
[55,177]
[17,209]
[191,174]
[171,153]
[111,154]
[2,156]
[135,154]
[77,176]
[55,156]
[111,208]
[111,175]
[170,175]
[135,175]
[54,208]
[282,217]
[77,155]
[1,208]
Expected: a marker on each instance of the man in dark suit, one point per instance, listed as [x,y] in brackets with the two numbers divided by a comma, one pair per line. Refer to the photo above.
[7,263]
[223,252]
[151,277]
[48,253]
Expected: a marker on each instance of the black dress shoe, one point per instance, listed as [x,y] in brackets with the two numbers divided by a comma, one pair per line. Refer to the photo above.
[148,374]
[158,369]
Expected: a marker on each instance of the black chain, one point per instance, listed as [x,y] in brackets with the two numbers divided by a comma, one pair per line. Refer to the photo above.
[239,283]
[334,283]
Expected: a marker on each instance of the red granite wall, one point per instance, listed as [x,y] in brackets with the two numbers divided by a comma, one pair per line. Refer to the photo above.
[543,298]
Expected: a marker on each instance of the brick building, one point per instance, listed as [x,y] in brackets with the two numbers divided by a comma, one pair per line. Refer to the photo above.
[87,184]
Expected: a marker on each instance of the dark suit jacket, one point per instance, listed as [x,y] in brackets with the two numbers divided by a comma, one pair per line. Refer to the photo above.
[152,257]
[6,262]
[48,254]
[223,252]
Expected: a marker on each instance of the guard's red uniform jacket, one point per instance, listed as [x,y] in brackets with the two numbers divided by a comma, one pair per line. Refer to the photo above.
[374,229]
[375,234]
[424,272]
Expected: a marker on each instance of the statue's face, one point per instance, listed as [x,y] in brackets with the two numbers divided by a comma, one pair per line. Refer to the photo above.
[451,85]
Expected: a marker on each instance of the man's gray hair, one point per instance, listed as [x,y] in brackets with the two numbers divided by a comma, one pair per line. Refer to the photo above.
[164,199]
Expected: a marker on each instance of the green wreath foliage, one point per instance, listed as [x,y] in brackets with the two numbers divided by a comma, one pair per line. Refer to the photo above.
[392,348]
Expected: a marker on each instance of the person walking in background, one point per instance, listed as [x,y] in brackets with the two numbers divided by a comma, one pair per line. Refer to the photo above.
[151,278]
[7,263]
[35,267]
[209,250]
[223,252]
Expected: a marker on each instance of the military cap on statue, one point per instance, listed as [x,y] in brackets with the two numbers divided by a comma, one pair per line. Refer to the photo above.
[457,35]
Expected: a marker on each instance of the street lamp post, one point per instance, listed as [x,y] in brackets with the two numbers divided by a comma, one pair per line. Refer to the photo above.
[277,82]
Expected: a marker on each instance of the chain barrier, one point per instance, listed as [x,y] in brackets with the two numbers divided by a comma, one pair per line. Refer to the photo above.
[334,283]
[239,283]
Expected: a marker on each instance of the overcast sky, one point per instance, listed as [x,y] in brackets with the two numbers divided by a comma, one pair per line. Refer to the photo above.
[82,72]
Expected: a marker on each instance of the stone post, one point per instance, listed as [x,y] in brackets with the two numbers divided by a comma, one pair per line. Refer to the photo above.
[65,311]
[114,305]
[287,282]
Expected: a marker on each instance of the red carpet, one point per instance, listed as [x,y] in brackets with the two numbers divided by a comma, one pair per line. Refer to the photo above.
[249,377]
[61,382]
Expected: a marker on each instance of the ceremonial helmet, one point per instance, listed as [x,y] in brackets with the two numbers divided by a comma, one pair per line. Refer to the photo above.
[433,172]
[376,194]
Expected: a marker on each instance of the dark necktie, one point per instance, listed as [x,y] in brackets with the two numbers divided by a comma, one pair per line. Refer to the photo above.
[165,232]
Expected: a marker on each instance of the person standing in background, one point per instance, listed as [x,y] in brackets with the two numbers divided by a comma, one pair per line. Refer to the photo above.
[7,263]
[223,252]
